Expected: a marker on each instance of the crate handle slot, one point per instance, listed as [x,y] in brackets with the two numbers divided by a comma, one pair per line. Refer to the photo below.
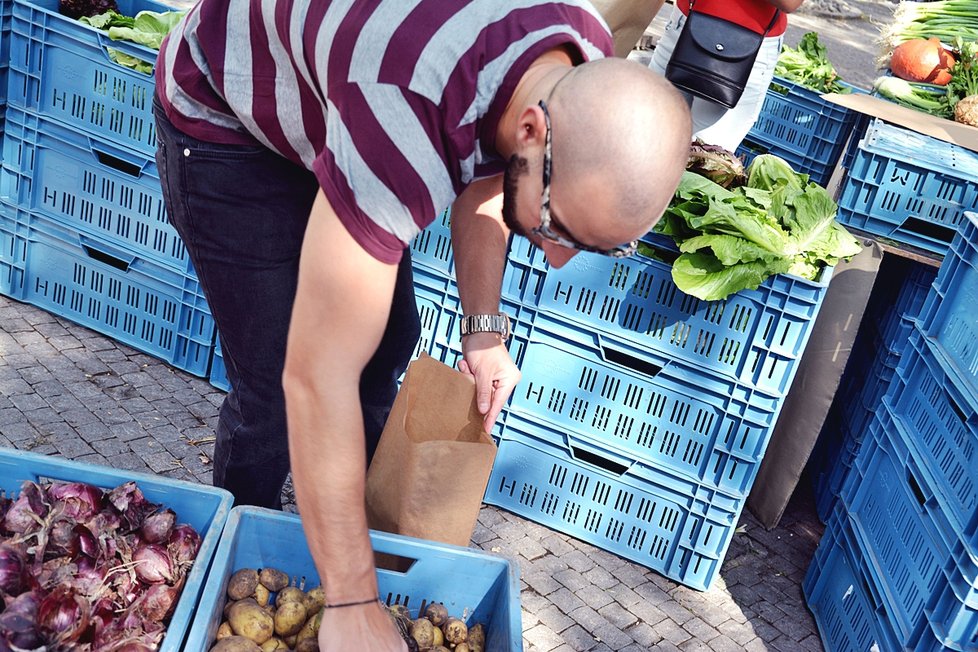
[929,229]
[656,252]
[594,459]
[754,148]
[915,487]
[644,367]
[956,400]
[117,163]
[106,258]
[131,49]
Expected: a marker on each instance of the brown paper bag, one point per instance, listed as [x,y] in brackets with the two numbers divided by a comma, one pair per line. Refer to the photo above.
[429,474]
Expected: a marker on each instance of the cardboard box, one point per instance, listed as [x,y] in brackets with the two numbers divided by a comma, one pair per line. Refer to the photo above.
[947,130]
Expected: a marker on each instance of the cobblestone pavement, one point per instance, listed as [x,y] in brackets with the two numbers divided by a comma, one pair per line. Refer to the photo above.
[67,391]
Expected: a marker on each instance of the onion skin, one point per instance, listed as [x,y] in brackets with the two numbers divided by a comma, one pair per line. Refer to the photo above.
[922,60]
[153,564]
[157,527]
[13,571]
[78,501]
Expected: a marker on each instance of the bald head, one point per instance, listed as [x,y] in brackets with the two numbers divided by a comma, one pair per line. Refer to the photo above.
[620,127]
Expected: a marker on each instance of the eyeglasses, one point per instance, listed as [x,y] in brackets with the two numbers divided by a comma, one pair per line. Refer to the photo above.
[545,230]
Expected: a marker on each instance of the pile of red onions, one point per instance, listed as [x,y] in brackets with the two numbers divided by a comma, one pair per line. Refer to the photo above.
[89,570]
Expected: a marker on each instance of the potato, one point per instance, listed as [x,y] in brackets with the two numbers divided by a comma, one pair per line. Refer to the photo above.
[290,594]
[463,647]
[439,637]
[311,628]
[274,644]
[315,599]
[236,644]
[477,638]
[262,595]
[224,630]
[291,641]
[251,621]
[438,648]
[242,584]
[308,645]
[273,579]
[400,610]
[455,631]
[231,603]
[422,631]
[437,613]
[289,618]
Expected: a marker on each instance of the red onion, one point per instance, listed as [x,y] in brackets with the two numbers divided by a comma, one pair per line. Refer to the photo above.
[156,603]
[13,571]
[62,539]
[184,544]
[88,545]
[158,526]
[63,615]
[77,500]
[26,513]
[17,623]
[131,505]
[153,564]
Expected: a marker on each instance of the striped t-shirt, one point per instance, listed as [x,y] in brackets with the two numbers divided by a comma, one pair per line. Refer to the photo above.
[393,104]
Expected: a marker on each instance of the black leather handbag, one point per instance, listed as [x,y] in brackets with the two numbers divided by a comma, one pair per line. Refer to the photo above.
[713,57]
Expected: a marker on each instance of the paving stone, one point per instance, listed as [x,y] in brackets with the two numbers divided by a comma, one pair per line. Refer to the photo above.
[593,596]
[695,645]
[738,632]
[676,612]
[542,583]
[612,636]
[73,448]
[644,634]
[553,617]
[530,549]
[572,579]
[579,639]
[543,637]
[565,600]
[672,631]
[624,595]
[700,629]
[618,616]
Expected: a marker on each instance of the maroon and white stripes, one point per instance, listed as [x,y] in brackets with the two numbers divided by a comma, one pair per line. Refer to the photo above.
[392,103]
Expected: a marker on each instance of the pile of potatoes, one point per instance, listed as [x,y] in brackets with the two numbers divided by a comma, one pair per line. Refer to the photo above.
[436,631]
[253,622]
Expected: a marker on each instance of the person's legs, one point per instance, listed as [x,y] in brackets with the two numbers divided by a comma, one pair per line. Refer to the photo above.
[728,128]
[712,123]
[242,213]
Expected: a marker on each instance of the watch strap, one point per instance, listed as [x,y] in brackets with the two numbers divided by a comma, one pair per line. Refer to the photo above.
[491,323]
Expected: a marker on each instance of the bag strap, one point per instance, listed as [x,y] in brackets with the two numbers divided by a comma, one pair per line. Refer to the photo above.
[774,18]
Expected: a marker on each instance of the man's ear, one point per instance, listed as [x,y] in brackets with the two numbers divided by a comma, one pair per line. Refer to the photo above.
[531,128]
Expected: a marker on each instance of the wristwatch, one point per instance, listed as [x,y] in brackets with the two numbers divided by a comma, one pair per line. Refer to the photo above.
[498,323]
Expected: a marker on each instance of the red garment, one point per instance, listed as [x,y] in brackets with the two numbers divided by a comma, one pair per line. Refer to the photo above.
[752,14]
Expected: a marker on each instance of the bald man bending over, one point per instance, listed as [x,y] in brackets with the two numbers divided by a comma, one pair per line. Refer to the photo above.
[303,145]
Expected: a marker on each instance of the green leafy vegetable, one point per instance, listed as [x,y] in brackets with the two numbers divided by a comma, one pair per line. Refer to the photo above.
[731,240]
[809,66]
[946,20]
[107,19]
[920,96]
[147,28]
[129,61]
[962,90]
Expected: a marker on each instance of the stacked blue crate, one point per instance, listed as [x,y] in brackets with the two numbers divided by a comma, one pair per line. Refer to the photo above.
[6,7]
[643,413]
[798,125]
[902,287]
[910,505]
[911,188]
[84,231]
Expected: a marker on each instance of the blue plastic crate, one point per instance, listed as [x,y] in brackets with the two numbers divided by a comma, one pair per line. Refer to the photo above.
[941,430]
[440,310]
[5,9]
[578,486]
[755,336]
[523,276]
[909,187]
[60,69]
[839,590]
[952,613]
[219,375]
[895,326]
[664,412]
[472,584]
[835,473]
[143,304]
[898,523]
[949,317]
[203,507]
[798,125]
[89,185]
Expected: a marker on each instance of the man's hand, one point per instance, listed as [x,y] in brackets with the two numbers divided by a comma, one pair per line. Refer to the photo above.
[366,627]
[496,375]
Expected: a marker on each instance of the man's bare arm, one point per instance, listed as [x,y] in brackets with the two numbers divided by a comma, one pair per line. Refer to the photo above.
[479,240]
[341,308]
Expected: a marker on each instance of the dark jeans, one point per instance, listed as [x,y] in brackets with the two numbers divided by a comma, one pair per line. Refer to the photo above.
[242,213]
